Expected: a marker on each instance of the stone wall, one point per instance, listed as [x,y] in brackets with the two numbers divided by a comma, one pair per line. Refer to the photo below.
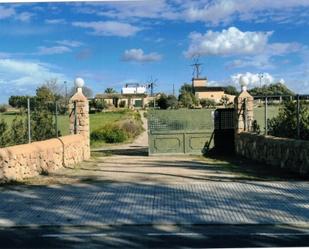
[28,160]
[285,153]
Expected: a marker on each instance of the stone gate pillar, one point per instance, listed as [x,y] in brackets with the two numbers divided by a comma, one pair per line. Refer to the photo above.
[243,109]
[79,118]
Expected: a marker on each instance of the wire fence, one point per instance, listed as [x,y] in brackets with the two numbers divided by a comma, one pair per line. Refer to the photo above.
[282,115]
[35,121]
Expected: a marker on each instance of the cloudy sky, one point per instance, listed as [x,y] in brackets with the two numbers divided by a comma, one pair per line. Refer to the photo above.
[111,43]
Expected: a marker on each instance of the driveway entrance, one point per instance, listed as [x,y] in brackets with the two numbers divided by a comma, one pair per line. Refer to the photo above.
[179,131]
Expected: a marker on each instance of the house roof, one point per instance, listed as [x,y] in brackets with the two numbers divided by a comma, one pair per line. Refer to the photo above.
[209,89]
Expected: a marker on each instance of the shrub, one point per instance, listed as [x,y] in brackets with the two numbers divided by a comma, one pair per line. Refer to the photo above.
[3,108]
[285,124]
[122,104]
[110,133]
[132,128]
[18,131]
[4,134]
[207,103]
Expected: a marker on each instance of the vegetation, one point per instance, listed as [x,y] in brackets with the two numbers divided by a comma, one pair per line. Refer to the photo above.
[110,90]
[97,105]
[208,103]
[3,108]
[231,90]
[272,89]
[285,124]
[115,127]
[225,101]
[167,102]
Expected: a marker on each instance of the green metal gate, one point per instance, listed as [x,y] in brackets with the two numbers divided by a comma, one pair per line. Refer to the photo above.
[179,131]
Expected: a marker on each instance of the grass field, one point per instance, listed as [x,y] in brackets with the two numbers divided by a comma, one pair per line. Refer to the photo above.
[96,120]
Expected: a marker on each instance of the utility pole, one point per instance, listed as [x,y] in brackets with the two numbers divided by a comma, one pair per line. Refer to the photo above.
[173,89]
[66,91]
[261,76]
[196,69]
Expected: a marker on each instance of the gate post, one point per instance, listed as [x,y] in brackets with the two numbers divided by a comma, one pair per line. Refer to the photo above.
[79,115]
[243,105]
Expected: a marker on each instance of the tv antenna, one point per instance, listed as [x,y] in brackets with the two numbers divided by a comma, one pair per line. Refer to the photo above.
[151,84]
[196,68]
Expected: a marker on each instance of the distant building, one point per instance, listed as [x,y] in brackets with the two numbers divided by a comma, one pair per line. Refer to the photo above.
[134,88]
[202,91]
[132,96]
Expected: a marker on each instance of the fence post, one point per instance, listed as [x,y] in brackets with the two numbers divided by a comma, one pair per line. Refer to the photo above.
[243,105]
[79,116]
[56,118]
[265,117]
[298,116]
[29,121]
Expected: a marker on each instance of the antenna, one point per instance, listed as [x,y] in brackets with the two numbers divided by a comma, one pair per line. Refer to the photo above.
[196,68]
[261,76]
[151,84]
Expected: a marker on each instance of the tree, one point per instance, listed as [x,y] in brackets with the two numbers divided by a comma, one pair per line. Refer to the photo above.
[162,102]
[225,101]
[186,97]
[42,125]
[207,103]
[186,88]
[4,134]
[18,101]
[110,90]
[272,89]
[172,102]
[18,132]
[231,90]
[285,124]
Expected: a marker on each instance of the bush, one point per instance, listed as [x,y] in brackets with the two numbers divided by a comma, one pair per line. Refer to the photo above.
[132,128]
[3,108]
[207,103]
[285,124]
[18,131]
[4,134]
[110,133]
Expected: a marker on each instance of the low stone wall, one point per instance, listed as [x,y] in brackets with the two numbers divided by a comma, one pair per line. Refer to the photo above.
[286,153]
[28,160]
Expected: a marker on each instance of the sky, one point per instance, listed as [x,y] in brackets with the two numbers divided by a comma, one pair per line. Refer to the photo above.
[112,43]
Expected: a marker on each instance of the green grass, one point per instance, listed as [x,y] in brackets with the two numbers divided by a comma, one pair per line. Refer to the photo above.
[96,120]
[259,115]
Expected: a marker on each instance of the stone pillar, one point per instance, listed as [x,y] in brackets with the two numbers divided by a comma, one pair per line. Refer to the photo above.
[243,112]
[82,115]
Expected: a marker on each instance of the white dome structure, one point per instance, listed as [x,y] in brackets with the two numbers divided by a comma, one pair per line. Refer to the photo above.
[244,82]
[79,82]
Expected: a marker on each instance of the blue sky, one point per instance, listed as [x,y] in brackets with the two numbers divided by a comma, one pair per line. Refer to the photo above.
[111,43]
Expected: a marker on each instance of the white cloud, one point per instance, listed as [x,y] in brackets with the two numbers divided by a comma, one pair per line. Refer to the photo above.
[24,16]
[70,43]
[109,28]
[213,12]
[55,21]
[254,79]
[231,41]
[21,73]
[53,50]
[6,12]
[139,56]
